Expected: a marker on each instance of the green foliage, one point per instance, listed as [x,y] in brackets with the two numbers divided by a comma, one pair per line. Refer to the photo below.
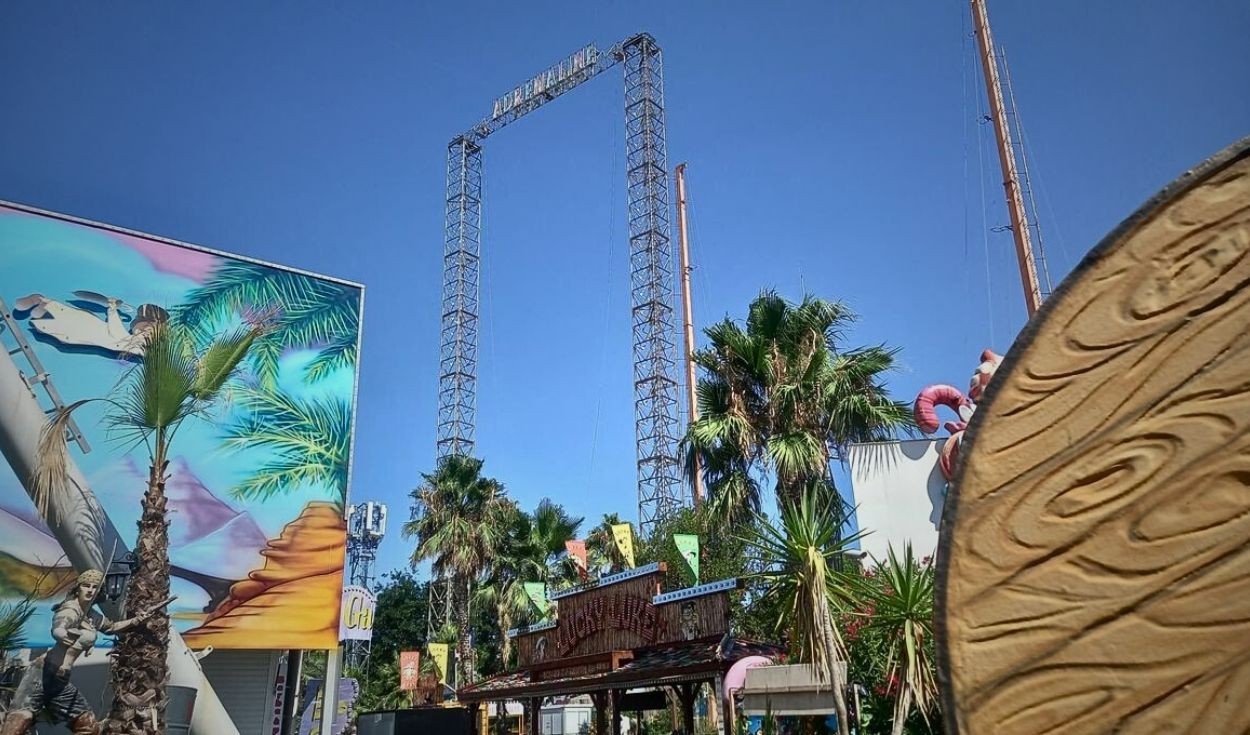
[780,397]
[460,522]
[310,441]
[720,554]
[601,550]
[13,618]
[402,612]
[310,312]
[891,620]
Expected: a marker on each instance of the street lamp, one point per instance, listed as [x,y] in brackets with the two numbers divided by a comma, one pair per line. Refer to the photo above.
[118,575]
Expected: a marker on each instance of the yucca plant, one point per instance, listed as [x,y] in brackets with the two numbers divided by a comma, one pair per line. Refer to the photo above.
[900,598]
[176,381]
[797,562]
[13,619]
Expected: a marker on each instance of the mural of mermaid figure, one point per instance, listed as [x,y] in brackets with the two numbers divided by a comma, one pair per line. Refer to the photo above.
[940,394]
[255,490]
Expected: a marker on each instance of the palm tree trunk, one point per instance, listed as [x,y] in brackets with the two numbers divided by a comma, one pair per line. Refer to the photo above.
[505,624]
[464,648]
[139,671]
[902,708]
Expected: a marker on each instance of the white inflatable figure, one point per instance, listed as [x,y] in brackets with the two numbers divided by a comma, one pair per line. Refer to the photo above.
[70,325]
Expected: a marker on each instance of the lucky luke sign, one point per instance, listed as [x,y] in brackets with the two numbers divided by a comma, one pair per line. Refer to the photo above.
[623,612]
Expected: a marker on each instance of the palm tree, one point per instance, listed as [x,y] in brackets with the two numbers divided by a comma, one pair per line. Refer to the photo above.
[310,439]
[797,564]
[316,313]
[529,552]
[783,398]
[900,596]
[601,545]
[460,522]
[173,383]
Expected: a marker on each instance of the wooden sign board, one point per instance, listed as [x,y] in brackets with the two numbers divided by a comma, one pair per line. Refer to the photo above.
[1094,574]
[621,617]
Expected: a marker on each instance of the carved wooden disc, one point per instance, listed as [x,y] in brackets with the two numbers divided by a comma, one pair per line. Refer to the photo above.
[1094,571]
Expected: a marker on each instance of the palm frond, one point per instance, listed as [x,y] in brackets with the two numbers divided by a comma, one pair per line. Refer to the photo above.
[310,440]
[13,619]
[338,354]
[51,473]
[219,361]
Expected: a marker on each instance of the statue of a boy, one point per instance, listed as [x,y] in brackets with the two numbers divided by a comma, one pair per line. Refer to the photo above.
[46,684]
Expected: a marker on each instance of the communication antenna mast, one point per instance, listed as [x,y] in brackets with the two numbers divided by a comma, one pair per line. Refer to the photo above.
[1007,158]
[366,525]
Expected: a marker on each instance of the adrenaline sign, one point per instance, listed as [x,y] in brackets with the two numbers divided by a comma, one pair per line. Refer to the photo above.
[550,81]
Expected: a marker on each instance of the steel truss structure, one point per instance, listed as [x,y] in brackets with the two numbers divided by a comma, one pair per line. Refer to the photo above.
[366,526]
[660,490]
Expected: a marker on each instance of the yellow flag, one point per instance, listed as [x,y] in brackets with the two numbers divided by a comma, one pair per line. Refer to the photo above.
[438,652]
[623,534]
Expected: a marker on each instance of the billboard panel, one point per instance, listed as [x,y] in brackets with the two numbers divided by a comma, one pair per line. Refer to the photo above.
[255,489]
[899,492]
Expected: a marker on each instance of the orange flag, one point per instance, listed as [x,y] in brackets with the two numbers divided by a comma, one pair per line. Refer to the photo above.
[577,552]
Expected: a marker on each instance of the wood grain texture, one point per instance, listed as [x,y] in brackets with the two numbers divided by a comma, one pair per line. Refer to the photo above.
[1094,569]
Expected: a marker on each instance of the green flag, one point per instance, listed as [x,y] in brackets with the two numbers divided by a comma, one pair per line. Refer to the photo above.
[688,547]
[537,592]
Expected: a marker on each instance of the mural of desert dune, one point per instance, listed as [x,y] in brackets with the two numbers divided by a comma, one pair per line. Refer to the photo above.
[284,603]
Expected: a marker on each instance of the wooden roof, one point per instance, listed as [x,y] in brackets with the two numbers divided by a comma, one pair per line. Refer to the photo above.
[697,660]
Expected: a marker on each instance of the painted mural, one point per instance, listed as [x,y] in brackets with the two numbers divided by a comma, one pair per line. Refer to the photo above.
[256,491]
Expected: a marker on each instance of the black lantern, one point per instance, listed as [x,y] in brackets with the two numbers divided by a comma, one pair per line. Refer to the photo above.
[118,575]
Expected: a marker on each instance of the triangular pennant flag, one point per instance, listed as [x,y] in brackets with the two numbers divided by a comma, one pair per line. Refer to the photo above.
[537,592]
[688,547]
[623,534]
[438,652]
[577,552]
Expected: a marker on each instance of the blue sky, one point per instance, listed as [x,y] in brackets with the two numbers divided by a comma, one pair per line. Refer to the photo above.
[833,147]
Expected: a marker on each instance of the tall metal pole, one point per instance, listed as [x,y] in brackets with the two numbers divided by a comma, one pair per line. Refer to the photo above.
[1007,157]
[692,406]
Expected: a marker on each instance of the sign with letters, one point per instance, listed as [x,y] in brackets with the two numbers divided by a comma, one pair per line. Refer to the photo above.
[356,617]
[547,82]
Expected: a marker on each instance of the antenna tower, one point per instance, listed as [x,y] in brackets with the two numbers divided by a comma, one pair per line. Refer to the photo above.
[366,525]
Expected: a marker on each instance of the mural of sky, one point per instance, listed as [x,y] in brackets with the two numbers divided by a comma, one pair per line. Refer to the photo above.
[256,489]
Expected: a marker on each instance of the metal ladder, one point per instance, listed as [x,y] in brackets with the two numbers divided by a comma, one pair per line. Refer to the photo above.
[38,375]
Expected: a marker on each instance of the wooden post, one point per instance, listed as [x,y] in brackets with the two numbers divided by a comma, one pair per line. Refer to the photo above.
[601,712]
[475,725]
[687,707]
[535,708]
[617,694]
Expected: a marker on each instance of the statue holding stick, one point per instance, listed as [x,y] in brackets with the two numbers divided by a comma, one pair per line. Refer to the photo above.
[46,683]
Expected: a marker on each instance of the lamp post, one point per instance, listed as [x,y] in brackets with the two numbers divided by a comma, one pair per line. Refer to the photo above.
[118,575]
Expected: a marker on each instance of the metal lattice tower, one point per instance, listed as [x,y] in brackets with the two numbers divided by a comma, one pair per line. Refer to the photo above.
[651,284]
[457,354]
[366,525]
[651,268]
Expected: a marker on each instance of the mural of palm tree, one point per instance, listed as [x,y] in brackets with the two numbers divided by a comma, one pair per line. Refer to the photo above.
[173,383]
[310,439]
[310,442]
[316,313]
